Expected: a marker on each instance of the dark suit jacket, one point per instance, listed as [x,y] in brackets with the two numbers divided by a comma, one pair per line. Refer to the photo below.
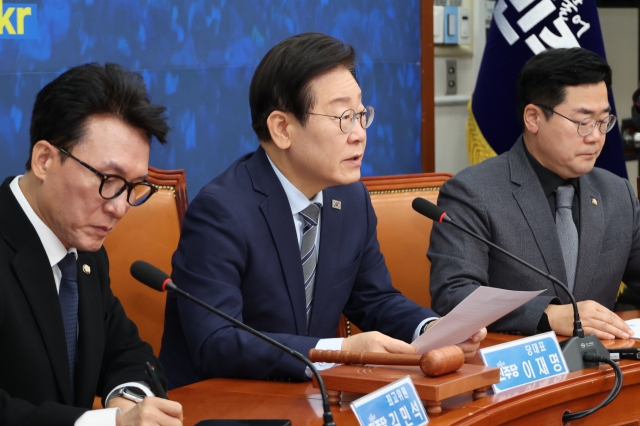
[502,200]
[35,387]
[238,252]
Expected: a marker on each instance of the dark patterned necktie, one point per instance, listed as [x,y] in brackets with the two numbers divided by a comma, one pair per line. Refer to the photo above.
[69,304]
[308,252]
[567,232]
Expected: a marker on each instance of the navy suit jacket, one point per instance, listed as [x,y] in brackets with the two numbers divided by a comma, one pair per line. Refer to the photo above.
[239,252]
[35,385]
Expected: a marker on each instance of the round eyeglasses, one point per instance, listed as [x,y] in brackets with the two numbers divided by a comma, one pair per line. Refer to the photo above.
[586,125]
[348,118]
[114,185]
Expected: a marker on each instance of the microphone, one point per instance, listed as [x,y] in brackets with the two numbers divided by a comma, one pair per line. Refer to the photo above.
[153,277]
[572,348]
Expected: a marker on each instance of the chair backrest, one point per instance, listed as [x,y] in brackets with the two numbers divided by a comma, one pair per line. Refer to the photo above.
[403,234]
[149,232]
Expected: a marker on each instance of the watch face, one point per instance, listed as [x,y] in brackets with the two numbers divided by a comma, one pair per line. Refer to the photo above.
[132,394]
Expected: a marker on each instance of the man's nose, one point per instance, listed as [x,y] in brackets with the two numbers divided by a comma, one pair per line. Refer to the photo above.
[118,206]
[357,134]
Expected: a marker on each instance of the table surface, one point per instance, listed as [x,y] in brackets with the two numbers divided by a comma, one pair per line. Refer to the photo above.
[302,403]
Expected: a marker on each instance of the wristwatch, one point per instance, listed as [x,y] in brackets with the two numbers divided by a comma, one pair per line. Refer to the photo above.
[132,394]
[426,326]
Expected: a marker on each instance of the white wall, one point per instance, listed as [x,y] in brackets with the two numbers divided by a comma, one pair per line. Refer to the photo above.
[451,111]
[620,32]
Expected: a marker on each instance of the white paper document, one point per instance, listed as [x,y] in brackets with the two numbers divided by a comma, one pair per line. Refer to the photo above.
[478,310]
[635,326]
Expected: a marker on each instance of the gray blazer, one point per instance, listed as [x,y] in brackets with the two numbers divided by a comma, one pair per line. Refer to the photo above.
[502,199]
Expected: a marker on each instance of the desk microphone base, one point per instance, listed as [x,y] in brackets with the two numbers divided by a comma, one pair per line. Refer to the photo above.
[574,347]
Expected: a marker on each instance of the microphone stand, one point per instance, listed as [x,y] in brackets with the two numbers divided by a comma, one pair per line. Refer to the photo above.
[327,415]
[579,352]
[574,347]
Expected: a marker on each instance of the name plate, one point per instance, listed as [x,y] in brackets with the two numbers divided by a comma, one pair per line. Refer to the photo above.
[525,360]
[396,404]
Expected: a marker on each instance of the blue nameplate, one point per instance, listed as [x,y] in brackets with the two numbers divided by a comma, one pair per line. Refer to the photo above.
[525,360]
[396,404]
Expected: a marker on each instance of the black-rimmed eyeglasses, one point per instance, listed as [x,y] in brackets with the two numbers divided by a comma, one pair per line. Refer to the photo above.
[586,125]
[112,186]
[348,118]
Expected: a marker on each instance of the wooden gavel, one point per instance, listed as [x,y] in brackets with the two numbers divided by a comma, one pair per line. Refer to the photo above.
[434,363]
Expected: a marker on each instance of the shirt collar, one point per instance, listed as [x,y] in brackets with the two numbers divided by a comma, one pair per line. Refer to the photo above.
[548,179]
[54,248]
[297,200]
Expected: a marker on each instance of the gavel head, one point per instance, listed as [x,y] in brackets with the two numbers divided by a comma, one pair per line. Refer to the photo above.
[441,361]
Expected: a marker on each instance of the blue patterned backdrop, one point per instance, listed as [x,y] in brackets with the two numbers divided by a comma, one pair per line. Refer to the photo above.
[198,57]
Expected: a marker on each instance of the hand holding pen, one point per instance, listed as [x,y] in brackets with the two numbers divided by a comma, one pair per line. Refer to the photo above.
[156,387]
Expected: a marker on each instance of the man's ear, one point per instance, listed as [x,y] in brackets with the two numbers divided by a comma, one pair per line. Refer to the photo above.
[42,157]
[532,116]
[280,127]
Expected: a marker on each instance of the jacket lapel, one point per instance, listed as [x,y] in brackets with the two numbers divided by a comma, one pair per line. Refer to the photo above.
[277,213]
[535,208]
[31,267]
[591,236]
[90,338]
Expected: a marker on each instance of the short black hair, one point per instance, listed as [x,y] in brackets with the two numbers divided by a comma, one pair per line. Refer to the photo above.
[63,106]
[282,80]
[544,77]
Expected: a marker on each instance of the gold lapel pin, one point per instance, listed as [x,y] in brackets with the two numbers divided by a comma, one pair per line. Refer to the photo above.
[86,269]
[336,204]
[594,201]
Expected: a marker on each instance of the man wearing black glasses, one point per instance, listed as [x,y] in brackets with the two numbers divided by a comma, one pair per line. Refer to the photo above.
[546,202]
[64,337]
[285,239]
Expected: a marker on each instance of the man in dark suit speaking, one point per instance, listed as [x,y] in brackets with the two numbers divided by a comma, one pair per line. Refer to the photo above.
[285,239]
[64,337]
[545,202]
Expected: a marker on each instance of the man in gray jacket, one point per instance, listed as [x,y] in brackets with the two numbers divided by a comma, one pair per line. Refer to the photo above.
[545,202]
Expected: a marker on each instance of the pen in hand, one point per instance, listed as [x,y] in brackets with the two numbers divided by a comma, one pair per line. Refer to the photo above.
[156,387]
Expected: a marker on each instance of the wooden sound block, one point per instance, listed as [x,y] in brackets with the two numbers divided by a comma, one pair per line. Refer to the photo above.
[368,378]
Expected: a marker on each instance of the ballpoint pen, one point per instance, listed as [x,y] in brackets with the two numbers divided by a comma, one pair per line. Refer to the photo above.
[156,387]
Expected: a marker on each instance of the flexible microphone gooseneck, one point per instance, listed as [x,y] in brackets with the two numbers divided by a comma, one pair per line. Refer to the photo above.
[572,348]
[579,351]
[153,277]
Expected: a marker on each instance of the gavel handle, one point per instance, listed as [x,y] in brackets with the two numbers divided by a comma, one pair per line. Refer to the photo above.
[353,357]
